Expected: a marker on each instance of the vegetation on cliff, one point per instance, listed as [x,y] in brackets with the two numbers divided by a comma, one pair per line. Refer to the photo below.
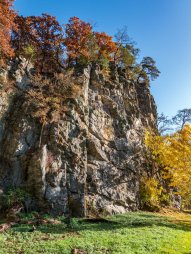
[7,24]
[73,143]
[52,47]
[56,50]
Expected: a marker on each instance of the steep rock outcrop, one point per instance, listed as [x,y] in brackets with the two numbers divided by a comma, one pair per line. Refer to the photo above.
[87,161]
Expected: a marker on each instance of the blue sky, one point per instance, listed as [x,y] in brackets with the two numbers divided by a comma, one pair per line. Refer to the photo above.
[161,29]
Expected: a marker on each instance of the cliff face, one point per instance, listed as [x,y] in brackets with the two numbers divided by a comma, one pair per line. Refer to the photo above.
[90,158]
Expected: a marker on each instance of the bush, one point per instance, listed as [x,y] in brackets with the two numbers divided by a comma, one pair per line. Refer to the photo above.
[46,97]
[13,197]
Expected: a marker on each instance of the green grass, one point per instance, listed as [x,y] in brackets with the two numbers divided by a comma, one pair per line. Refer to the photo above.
[142,233]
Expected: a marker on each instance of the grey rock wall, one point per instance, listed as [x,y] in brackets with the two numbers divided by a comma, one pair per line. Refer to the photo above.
[87,162]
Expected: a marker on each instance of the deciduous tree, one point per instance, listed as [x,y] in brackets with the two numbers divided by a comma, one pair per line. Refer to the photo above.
[173,155]
[182,117]
[44,34]
[7,15]
[106,46]
[82,44]
[78,39]
[164,124]
[126,53]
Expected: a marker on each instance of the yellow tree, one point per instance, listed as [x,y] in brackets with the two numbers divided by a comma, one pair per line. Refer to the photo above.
[173,155]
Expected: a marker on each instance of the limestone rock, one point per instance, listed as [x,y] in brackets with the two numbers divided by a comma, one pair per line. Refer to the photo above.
[90,158]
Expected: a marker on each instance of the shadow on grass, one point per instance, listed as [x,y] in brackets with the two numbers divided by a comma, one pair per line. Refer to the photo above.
[111,223]
[187,212]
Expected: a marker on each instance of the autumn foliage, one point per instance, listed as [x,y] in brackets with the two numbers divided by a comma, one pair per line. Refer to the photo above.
[172,153]
[52,47]
[78,39]
[83,43]
[43,36]
[7,16]
[106,46]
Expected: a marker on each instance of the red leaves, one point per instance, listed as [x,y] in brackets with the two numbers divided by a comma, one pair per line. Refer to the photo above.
[41,39]
[7,16]
[105,45]
[78,34]
[81,41]
[44,34]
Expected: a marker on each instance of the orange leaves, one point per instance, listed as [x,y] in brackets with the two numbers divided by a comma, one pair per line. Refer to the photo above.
[105,44]
[44,34]
[7,16]
[78,34]
[41,39]
[81,41]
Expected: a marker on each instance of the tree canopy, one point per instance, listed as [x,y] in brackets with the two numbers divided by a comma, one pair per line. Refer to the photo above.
[51,47]
[7,16]
[172,154]
[43,35]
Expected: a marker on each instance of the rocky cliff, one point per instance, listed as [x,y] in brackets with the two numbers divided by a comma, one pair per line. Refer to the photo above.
[86,161]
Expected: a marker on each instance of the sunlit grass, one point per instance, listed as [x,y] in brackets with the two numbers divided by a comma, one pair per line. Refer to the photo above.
[143,233]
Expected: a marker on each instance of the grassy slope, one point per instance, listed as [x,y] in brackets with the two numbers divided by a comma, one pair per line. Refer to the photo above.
[130,233]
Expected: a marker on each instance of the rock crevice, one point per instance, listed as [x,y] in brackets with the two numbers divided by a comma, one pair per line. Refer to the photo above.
[90,158]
